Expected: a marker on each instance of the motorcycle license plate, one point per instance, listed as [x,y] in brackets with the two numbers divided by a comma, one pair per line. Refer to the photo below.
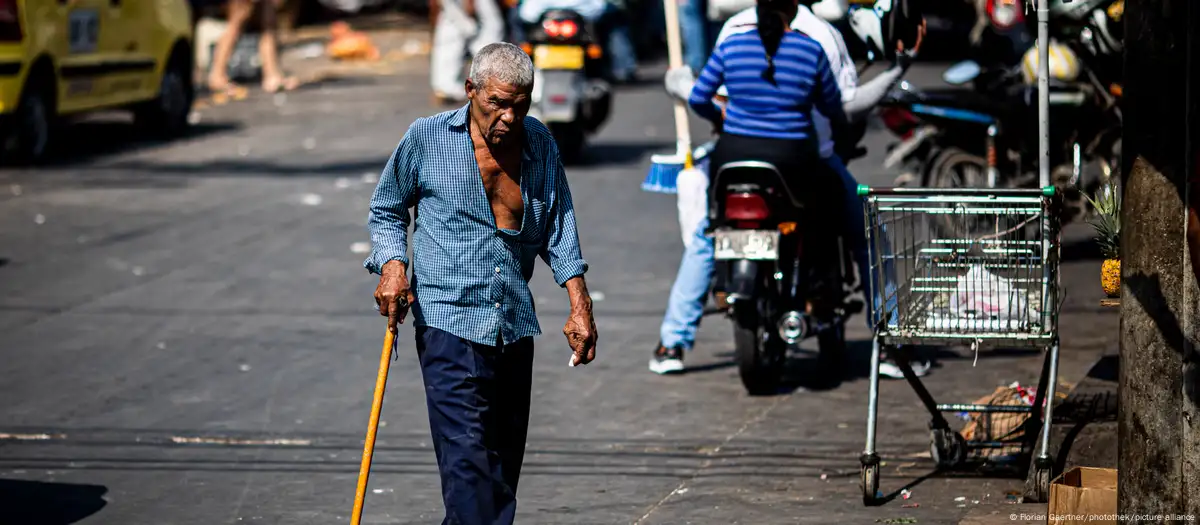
[558,57]
[756,245]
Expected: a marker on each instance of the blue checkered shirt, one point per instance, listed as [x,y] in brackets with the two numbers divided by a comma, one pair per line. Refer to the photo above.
[470,278]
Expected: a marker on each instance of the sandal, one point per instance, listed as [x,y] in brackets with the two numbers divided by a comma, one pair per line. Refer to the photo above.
[280,84]
[229,91]
[225,87]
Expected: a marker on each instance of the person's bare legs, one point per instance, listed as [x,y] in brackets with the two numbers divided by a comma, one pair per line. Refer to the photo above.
[268,49]
[218,77]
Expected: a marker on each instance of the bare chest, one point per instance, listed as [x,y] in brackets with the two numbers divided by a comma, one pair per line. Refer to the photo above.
[502,184]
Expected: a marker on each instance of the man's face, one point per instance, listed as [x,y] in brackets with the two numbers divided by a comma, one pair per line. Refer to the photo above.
[499,110]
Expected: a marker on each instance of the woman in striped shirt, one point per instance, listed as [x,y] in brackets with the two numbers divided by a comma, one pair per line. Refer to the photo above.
[775,77]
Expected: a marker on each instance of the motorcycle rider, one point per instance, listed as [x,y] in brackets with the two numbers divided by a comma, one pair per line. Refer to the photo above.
[609,20]
[686,303]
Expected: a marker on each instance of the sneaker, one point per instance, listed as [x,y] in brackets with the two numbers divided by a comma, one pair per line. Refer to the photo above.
[889,369]
[667,360]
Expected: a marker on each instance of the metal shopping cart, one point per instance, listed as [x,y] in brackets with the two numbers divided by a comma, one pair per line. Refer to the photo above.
[975,267]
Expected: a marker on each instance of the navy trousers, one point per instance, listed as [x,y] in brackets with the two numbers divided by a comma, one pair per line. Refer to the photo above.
[478,398]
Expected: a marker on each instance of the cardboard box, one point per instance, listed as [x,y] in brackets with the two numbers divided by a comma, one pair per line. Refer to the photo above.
[1084,495]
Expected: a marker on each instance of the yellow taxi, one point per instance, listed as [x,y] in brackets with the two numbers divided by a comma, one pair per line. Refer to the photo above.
[60,58]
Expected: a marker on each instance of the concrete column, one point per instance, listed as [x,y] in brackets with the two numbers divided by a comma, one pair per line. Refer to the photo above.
[1158,423]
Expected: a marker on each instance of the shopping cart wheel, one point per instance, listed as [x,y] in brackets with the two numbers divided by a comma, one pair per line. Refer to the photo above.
[1041,486]
[948,448]
[870,483]
[1037,484]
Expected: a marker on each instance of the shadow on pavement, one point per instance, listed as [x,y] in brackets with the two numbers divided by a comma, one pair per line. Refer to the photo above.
[242,168]
[1081,250]
[83,142]
[48,503]
[680,457]
[802,370]
[604,153]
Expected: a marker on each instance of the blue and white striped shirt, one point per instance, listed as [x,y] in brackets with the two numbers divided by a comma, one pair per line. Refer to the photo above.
[470,278]
[757,108]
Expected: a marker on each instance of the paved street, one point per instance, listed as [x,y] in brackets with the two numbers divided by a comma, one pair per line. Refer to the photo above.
[187,337]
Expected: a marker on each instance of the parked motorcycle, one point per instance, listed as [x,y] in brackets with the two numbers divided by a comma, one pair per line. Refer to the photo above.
[787,275]
[570,94]
[1007,35]
[987,136]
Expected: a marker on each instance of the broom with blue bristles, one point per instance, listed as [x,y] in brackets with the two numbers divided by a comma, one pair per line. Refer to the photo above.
[665,169]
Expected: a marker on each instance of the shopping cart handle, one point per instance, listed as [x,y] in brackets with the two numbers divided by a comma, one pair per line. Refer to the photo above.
[1048,191]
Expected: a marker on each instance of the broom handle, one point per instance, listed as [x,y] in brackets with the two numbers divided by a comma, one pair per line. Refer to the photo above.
[364,471]
[675,59]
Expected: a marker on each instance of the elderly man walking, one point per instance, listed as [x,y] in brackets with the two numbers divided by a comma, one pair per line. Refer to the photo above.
[490,196]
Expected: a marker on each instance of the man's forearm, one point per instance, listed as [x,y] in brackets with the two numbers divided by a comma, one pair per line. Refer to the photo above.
[578,292]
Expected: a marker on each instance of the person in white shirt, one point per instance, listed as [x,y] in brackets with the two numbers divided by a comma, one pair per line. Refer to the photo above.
[686,303]
[462,26]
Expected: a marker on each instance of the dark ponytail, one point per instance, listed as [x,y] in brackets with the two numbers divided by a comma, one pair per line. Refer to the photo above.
[771,27]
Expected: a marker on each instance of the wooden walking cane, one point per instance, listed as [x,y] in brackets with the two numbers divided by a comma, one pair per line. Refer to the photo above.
[364,471]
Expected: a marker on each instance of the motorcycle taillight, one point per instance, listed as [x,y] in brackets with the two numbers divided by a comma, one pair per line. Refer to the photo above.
[10,21]
[746,207]
[901,121]
[1005,13]
[561,29]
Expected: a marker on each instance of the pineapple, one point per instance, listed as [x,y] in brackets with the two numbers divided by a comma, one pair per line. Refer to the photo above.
[1107,223]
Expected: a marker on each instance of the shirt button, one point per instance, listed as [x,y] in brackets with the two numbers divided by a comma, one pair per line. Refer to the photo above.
[497,269]
[497,305]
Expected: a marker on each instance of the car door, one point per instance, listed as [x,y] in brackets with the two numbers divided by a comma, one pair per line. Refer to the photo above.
[129,44]
[80,59]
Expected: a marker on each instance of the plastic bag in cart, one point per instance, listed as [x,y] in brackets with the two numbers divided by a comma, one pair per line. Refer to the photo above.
[983,294]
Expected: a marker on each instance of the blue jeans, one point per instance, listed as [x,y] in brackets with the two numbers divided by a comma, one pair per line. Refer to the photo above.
[622,55]
[478,402]
[693,24]
[685,306]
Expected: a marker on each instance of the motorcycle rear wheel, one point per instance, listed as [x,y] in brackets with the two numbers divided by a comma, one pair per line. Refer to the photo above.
[759,355]
[831,351]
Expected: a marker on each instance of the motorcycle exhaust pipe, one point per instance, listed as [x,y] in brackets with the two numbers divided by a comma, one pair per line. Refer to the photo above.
[794,327]
[1076,164]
